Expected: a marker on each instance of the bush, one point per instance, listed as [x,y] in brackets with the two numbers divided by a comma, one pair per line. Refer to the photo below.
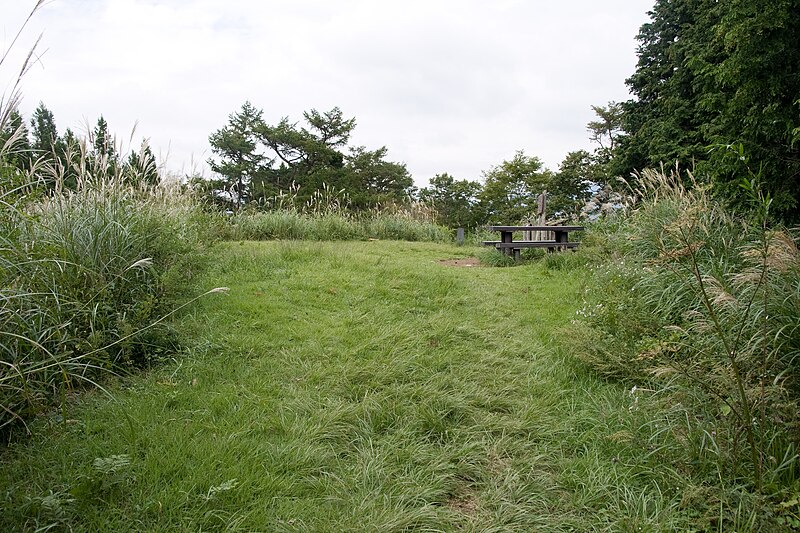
[496,258]
[85,276]
[701,305]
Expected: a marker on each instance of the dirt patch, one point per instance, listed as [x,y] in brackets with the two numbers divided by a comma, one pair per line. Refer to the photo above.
[465,504]
[466,262]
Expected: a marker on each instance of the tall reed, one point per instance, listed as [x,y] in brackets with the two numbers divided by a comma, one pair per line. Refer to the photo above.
[328,215]
[86,274]
[702,303]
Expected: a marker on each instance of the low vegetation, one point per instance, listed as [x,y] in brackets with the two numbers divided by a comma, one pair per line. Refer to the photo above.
[353,379]
[696,308]
[86,276]
[328,216]
[90,273]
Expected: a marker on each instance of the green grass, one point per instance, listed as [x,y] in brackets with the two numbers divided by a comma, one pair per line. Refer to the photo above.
[85,278]
[291,224]
[359,386]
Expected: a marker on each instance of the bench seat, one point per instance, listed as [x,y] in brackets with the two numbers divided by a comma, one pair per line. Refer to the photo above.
[531,244]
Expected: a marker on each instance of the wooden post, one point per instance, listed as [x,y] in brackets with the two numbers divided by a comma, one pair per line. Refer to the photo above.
[460,236]
[541,214]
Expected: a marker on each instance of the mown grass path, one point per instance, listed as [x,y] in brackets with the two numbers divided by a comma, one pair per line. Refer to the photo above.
[350,387]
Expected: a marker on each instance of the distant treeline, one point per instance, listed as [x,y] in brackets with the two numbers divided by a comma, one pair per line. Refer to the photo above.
[23,148]
[257,164]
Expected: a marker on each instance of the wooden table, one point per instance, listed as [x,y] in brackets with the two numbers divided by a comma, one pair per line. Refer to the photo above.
[509,246]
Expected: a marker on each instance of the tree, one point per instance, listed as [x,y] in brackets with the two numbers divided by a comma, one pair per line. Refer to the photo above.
[46,142]
[455,201]
[510,189]
[271,159]
[15,148]
[755,85]
[102,141]
[605,131]
[141,167]
[373,180]
[572,185]
[308,157]
[238,158]
[715,75]
[69,158]
[331,128]
[664,123]
[104,157]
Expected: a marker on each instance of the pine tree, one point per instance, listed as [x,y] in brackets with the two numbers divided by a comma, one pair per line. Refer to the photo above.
[15,147]
[104,155]
[44,133]
[238,160]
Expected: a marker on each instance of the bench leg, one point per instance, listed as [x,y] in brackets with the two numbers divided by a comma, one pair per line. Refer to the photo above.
[561,236]
[506,237]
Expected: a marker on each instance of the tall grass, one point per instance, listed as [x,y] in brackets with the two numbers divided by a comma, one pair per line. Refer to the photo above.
[85,276]
[327,216]
[376,389]
[700,305]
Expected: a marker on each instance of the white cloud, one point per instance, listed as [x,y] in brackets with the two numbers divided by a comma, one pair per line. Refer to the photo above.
[447,86]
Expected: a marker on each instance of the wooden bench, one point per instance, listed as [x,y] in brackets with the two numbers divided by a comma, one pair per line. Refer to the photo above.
[509,246]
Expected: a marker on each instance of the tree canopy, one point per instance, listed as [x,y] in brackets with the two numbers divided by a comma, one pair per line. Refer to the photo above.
[716,86]
[261,160]
[510,188]
[64,154]
[455,201]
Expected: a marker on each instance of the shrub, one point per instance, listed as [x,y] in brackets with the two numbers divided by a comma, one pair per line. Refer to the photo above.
[496,258]
[85,276]
[702,304]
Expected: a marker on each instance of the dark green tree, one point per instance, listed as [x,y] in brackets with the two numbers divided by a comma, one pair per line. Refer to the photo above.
[238,159]
[44,134]
[310,156]
[578,175]
[755,86]
[273,159]
[374,180]
[510,189]
[141,168]
[102,141]
[330,128]
[455,201]
[69,158]
[103,158]
[15,147]
[716,80]
[664,123]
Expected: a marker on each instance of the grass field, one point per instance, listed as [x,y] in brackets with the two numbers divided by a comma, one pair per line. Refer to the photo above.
[361,386]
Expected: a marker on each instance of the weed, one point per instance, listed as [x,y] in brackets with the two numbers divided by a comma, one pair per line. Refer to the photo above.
[496,258]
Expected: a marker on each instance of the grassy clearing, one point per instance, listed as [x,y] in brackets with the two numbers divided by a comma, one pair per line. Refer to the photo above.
[354,386]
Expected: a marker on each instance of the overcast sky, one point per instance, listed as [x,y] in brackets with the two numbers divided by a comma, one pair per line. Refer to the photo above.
[451,86]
